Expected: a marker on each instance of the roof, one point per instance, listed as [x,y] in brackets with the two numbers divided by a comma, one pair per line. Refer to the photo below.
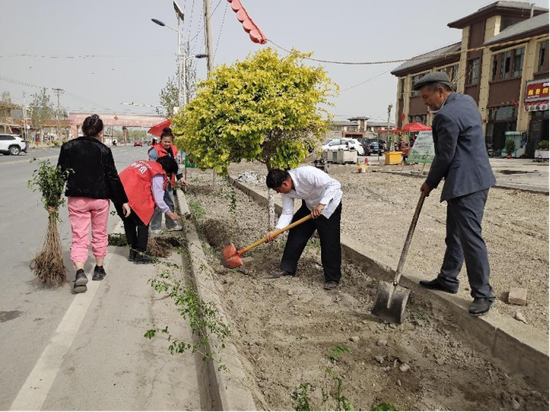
[518,29]
[351,119]
[379,124]
[517,8]
[427,57]
[344,123]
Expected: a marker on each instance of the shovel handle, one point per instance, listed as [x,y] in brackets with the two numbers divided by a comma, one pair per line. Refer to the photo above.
[408,241]
[275,234]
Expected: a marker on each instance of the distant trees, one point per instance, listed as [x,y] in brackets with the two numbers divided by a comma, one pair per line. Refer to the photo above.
[42,110]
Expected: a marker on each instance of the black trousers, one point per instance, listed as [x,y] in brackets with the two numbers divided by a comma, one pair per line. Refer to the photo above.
[137,232]
[329,233]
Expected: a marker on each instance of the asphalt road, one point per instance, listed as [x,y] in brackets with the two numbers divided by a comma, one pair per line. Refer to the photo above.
[29,313]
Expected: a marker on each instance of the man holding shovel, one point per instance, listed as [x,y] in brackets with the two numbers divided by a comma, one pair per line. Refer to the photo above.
[461,158]
[322,198]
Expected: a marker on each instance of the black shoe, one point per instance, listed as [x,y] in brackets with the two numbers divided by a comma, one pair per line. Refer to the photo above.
[142,258]
[80,281]
[99,273]
[435,285]
[480,306]
[132,255]
[331,284]
[279,273]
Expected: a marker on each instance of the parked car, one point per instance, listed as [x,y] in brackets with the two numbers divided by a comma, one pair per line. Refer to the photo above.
[136,143]
[333,145]
[372,145]
[12,144]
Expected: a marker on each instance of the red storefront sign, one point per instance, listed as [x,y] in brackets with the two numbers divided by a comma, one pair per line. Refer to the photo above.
[536,90]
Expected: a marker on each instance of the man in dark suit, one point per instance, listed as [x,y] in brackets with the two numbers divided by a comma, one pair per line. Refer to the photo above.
[460,158]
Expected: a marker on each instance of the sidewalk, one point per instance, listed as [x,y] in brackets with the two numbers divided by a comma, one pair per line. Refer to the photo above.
[110,365]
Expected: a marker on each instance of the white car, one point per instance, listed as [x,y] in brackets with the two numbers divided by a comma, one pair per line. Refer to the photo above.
[12,144]
[334,145]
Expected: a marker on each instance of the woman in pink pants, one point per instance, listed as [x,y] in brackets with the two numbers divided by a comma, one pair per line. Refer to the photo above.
[93,181]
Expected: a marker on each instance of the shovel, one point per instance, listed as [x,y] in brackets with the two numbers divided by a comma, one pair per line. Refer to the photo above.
[232,256]
[392,298]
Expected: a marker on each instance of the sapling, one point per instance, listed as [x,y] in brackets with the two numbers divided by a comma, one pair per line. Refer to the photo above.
[48,264]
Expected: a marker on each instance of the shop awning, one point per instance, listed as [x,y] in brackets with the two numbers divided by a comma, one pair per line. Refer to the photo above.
[415,127]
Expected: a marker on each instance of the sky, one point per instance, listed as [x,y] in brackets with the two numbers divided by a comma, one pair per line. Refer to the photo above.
[104,53]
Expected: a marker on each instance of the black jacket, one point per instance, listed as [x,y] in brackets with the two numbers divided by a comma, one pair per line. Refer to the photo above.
[94,172]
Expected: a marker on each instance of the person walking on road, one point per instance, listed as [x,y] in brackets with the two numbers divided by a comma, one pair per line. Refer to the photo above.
[144,183]
[166,148]
[460,158]
[92,182]
[322,198]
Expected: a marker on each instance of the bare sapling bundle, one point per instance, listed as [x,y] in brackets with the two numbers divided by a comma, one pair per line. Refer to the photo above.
[48,264]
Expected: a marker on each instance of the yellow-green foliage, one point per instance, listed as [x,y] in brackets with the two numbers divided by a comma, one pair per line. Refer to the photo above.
[266,108]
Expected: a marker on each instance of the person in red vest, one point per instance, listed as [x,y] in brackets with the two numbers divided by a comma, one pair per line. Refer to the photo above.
[166,147]
[144,183]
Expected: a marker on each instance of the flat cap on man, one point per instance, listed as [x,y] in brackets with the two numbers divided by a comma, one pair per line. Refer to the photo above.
[436,77]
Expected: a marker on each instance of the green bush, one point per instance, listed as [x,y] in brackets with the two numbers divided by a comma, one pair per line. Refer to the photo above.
[543,145]
[510,146]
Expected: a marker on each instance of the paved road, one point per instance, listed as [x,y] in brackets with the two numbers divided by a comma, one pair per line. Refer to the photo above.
[108,349]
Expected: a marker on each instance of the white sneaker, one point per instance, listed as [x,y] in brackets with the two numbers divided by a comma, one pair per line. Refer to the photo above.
[176,228]
[155,231]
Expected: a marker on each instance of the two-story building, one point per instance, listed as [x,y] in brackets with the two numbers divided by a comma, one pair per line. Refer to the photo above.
[501,61]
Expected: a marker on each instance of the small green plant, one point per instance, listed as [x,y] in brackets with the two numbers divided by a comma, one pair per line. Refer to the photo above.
[542,145]
[196,209]
[300,397]
[384,406]
[232,197]
[510,146]
[202,316]
[50,181]
[336,353]
[337,394]
[117,239]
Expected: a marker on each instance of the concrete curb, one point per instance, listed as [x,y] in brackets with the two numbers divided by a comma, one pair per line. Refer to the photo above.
[228,390]
[509,186]
[493,334]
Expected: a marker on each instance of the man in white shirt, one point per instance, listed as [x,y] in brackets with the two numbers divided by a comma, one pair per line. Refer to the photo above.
[322,198]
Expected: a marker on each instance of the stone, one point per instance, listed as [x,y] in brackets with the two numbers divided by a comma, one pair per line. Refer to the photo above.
[404,367]
[382,342]
[441,361]
[289,293]
[517,296]
[247,259]
[354,339]
[519,316]
[398,382]
[515,405]
[379,359]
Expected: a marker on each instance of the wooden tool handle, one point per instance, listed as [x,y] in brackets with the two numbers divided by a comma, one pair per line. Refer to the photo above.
[408,240]
[276,233]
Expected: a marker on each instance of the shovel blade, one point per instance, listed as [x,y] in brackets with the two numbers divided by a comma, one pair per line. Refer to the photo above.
[391,302]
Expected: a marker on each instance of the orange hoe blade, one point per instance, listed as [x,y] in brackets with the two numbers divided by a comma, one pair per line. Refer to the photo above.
[232,256]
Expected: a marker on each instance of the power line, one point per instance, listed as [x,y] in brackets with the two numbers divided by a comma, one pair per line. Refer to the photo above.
[209,17]
[220,33]
[366,81]
[79,57]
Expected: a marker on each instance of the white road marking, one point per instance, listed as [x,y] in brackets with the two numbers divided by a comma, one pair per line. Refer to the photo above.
[34,391]
[28,160]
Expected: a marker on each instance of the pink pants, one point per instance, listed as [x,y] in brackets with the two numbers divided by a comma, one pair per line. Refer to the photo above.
[82,211]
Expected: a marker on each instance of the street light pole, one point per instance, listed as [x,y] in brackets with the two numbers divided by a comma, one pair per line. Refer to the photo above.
[58,91]
[208,37]
[181,58]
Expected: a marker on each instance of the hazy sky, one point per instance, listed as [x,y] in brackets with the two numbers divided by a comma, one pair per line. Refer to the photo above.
[135,57]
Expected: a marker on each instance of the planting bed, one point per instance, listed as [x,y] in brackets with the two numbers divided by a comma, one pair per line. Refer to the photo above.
[290,331]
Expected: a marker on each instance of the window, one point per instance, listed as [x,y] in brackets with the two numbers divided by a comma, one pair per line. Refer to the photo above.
[543,49]
[402,91]
[518,62]
[414,79]
[505,65]
[495,67]
[419,118]
[6,138]
[473,71]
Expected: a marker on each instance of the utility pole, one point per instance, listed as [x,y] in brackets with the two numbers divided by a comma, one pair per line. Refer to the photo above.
[388,128]
[58,92]
[208,37]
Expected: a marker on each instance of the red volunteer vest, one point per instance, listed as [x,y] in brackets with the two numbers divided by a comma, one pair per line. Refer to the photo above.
[163,152]
[136,180]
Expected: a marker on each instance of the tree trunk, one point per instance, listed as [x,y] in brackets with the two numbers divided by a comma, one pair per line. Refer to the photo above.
[271,209]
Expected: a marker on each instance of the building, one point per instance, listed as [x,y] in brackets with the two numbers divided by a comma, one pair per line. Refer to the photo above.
[501,61]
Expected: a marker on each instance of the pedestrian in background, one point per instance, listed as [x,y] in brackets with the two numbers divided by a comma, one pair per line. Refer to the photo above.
[92,182]
[322,198]
[166,148]
[144,183]
[461,159]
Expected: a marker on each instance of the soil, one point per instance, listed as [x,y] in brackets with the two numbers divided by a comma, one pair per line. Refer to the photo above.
[291,331]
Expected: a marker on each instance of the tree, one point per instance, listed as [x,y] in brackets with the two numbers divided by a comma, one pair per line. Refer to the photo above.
[42,110]
[265,108]
[6,97]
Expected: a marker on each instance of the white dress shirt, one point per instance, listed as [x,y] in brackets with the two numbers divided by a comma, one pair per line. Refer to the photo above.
[313,186]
